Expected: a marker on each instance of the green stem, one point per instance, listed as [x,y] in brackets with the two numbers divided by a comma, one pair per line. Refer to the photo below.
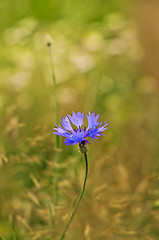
[56,107]
[54,81]
[79,199]
[13,232]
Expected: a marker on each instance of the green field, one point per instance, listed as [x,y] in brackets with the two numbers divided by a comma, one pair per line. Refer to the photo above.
[106,59]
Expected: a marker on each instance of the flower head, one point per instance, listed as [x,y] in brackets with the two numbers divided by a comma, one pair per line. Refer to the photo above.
[79,134]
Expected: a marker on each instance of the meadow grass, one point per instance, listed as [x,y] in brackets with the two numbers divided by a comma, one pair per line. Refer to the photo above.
[98,65]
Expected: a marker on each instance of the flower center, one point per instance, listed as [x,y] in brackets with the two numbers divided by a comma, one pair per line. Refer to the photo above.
[84,128]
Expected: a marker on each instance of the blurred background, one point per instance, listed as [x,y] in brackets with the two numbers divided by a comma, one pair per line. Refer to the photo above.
[106,57]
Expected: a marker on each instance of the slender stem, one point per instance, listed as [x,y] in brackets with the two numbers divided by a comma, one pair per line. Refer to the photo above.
[56,109]
[14,237]
[79,199]
[54,81]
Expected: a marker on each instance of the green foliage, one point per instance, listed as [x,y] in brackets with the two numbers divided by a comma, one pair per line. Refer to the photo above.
[13,232]
[98,65]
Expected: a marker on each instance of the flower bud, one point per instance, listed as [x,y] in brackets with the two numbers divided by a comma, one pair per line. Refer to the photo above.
[83,147]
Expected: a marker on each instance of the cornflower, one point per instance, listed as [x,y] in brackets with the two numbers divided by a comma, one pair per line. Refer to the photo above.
[79,134]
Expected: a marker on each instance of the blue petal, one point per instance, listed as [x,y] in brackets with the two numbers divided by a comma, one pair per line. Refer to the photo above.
[61,131]
[75,138]
[92,120]
[96,132]
[66,124]
[77,119]
[104,127]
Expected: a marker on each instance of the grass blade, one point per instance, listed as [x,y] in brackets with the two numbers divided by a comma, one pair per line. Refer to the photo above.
[13,232]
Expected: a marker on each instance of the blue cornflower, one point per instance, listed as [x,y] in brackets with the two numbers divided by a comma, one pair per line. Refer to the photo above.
[80,133]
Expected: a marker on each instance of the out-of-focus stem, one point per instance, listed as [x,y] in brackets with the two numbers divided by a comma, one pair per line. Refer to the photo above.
[56,110]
